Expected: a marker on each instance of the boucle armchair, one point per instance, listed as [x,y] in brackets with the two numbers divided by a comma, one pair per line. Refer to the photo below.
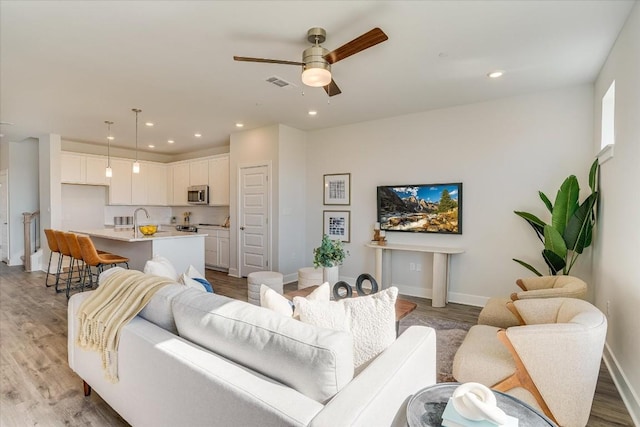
[552,362]
[496,312]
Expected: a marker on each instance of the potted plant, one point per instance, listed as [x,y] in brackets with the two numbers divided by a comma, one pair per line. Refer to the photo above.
[571,228]
[329,255]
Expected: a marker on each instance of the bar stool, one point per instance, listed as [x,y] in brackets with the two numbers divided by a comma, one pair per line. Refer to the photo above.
[76,253]
[63,246]
[92,258]
[53,248]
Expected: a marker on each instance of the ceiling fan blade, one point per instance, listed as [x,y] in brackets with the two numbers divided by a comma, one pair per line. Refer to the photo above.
[356,45]
[332,89]
[268,61]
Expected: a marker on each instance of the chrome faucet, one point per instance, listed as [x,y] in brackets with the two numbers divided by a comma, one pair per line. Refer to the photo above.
[136,232]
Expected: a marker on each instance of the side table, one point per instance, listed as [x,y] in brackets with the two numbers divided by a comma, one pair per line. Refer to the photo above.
[426,406]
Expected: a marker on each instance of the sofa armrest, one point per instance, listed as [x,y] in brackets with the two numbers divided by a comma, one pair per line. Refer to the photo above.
[379,394]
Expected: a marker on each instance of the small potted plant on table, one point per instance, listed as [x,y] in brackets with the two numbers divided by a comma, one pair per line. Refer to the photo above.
[329,255]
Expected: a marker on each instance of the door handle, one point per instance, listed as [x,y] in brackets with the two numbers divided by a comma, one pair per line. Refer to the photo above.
[241,228]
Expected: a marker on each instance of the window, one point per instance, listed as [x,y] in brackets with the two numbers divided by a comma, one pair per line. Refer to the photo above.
[608,124]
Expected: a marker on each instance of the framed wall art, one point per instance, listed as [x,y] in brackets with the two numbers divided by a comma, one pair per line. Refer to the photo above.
[337,189]
[337,225]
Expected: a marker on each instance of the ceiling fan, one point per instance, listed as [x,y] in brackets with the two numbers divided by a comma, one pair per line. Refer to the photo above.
[316,60]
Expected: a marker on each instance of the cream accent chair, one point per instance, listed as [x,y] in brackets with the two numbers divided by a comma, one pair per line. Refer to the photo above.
[552,362]
[496,313]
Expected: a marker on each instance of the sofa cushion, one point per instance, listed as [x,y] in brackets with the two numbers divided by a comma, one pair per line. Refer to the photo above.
[158,310]
[370,319]
[314,361]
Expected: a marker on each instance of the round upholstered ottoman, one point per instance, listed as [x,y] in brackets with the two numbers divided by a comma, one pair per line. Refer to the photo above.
[309,276]
[272,279]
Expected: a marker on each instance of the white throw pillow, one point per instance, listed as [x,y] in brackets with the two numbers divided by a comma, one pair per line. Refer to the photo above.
[371,320]
[274,301]
[160,266]
[190,283]
[193,273]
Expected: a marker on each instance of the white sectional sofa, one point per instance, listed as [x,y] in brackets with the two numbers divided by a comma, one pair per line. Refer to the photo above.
[236,364]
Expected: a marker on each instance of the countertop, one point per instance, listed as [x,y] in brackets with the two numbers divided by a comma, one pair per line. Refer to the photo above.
[126,235]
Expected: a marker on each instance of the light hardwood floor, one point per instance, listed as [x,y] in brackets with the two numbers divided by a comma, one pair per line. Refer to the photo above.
[38,388]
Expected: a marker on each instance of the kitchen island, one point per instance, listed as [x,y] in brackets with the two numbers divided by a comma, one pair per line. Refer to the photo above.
[181,248]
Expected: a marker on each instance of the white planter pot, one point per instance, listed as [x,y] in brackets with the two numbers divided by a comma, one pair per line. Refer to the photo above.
[331,275]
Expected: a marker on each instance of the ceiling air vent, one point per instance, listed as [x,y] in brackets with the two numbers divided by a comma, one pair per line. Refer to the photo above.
[279,82]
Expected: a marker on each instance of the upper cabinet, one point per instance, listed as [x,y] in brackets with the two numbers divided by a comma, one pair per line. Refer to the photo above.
[198,172]
[219,181]
[157,193]
[180,183]
[83,169]
[120,182]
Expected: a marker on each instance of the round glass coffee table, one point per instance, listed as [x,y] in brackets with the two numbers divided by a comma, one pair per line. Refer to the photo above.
[426,406]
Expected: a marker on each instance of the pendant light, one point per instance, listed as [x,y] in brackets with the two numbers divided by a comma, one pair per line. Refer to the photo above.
[136,164]
[109,171]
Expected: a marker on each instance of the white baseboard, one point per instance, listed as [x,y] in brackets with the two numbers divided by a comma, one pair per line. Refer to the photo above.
[289,278]
[629,396]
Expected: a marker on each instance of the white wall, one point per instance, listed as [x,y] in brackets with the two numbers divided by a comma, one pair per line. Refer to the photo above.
[23,192]
[617,247]
[253,147]
[291,209]
[503,151]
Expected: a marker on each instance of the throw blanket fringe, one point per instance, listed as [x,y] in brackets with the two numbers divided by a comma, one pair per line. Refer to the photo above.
[116,301]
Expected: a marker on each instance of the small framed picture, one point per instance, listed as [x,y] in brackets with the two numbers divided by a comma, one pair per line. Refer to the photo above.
[337,189]
[337,225]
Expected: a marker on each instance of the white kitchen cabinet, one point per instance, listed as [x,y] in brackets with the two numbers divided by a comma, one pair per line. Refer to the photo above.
[169,183]
[120,182]
[73,168]
[199,172]
[79,168]
[219,181]
[223,249]
[96,168]
[216,247]
[139,182]
[156,184]
[180,183]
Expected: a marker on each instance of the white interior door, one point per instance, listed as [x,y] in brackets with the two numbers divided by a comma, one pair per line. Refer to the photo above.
[4,217]
[254,220]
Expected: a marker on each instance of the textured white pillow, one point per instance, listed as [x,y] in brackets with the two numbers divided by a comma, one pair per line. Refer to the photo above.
[160,266]
[274,301]
[371,320]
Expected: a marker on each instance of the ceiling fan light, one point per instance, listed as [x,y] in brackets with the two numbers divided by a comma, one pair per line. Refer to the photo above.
[316,76]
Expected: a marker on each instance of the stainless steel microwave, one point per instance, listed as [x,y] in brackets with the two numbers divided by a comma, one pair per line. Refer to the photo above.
[198,195]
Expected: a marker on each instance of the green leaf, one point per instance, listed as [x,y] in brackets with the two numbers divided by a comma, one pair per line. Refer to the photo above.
[546,201]
[566,203]
[554,262]
[577,235]
[528,266]
[535,222]
[554,242]
[593,175]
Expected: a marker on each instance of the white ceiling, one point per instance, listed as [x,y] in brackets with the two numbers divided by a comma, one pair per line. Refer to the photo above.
[67,66]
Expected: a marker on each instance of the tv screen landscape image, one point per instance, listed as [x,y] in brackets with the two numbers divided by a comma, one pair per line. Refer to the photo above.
[424,208]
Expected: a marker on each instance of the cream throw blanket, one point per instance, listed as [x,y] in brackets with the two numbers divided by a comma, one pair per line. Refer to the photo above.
[118,299]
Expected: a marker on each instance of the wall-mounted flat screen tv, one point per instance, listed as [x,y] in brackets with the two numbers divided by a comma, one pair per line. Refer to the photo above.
[424,208]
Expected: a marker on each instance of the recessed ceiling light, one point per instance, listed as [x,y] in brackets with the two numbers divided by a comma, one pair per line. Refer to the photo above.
[239,125]
[313,112]
[495,74]
[151,146]
[149,124]
[197,135]
[171,141]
